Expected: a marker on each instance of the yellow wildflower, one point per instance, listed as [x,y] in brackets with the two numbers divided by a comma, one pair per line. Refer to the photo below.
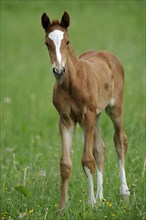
[31,211]
[109,204]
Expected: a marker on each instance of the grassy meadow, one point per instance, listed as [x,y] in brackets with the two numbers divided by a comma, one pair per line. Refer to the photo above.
[30,141]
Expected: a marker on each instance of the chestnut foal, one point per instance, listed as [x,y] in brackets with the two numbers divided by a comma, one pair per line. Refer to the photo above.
[84,87]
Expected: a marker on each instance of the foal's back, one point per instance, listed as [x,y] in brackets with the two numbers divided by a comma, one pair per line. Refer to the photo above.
[106,74]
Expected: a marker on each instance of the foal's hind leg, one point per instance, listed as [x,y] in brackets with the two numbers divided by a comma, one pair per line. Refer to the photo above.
[121,144]
[99,154]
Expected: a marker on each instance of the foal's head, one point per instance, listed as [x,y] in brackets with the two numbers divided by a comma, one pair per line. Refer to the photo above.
[57,42]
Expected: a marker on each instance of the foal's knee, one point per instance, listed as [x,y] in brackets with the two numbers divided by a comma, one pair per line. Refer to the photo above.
[90,163]
[65,169]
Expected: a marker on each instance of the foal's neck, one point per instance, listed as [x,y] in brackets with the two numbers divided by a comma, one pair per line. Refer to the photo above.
[72,57]
[71,68]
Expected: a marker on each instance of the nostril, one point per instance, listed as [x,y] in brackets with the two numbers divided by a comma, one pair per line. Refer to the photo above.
[55,70]
[63,70]
[58,72]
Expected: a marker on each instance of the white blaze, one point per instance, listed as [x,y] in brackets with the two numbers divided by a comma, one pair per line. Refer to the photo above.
[56,36]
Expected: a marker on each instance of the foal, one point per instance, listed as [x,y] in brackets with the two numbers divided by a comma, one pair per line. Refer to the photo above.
[84,87]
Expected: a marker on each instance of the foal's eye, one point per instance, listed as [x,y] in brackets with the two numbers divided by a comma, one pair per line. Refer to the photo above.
[67,43]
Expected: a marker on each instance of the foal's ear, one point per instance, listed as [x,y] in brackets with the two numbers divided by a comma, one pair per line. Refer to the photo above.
[65,21]
[45,21]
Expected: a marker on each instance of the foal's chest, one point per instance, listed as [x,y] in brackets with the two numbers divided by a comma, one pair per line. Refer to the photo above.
[69,106]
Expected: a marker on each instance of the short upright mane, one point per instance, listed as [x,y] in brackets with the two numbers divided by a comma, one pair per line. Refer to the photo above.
[55,23]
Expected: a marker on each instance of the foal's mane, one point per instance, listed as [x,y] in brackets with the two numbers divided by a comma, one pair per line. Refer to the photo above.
[55,23]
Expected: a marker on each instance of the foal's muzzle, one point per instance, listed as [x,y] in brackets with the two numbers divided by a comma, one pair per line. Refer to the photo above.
[58,72]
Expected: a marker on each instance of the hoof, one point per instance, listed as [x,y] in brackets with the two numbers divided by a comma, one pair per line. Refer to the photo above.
[99,196]
[92,202]
[124,191]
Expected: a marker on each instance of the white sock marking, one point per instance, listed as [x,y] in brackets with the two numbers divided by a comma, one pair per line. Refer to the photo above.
[92,200]
[124,190]
[99,193]
[56,36]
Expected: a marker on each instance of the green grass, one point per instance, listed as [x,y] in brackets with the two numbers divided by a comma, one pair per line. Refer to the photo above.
[30,142]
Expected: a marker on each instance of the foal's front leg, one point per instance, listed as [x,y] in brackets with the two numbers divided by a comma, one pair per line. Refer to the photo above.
[66,126]
[88,162]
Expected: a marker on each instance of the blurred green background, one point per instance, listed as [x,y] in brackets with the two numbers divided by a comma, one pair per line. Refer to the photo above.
[29,122]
